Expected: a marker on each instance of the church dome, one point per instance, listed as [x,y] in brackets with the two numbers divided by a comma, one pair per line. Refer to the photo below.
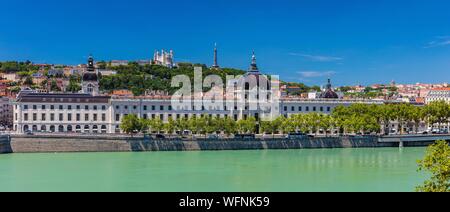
[329,93]
[90,76]
[253,78]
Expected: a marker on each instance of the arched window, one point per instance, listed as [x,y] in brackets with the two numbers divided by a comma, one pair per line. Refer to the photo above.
[90,88]
[69,128]
[60,128]
[26,128]
[44,128]
[247,86]
[52,128]
[95,129]
[35,128]
[78,128]
[104,129]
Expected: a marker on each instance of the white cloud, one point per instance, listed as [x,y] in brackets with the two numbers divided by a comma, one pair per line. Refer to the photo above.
[317,58]
[315,74]
[440,41]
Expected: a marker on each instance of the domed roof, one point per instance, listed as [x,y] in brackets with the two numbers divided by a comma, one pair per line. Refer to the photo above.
[253,77]
[90,76]
[329,93]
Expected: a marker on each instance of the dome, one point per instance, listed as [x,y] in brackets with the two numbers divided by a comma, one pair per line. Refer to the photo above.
[329,93]
[253,78]
[90,76]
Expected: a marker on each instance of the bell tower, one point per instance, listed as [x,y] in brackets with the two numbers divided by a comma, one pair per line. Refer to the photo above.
[90,83]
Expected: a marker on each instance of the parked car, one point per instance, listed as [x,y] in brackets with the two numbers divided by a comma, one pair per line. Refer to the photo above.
[160,136]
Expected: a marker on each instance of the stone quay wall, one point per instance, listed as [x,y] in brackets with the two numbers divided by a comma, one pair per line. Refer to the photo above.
[5,144]
[55,143]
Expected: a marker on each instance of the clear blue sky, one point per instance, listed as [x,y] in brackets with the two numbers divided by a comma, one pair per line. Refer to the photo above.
[354,41]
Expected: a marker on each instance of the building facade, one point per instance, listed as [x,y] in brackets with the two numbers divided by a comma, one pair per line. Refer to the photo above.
[164,58]
[438,94]
[83,113]
[6,113]
[89,112]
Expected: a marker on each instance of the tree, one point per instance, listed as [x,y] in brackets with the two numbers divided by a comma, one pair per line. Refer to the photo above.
[73,86]
[170,126]
[438,112]
[247,125]
[101,65]
[156,125]
[229,126]
[131,124]
[28,81]
[267,127]
[437,162]
[54,86]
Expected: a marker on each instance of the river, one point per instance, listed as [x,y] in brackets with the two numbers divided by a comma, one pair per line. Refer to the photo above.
[378,169]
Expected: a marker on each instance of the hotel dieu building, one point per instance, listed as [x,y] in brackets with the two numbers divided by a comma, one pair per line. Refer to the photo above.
[91,112]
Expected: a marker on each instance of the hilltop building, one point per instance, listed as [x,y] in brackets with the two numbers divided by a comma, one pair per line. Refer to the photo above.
[164,58]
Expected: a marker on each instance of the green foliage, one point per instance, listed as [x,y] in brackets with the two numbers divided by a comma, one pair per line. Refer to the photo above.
[229,126]
[131,124]
[28,81]
[54,86]
[74,84]
[437,163]
[14,66]
[247,125]
[139,78]
[102,65]
[302,88]
[345,89]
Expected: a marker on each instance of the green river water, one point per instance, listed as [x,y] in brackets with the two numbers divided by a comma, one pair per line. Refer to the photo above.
[380,169]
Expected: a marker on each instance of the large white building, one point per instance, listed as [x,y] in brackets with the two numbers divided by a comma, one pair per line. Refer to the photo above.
[89,112]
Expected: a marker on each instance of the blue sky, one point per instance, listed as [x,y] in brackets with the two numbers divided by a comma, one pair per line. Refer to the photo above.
[351,41]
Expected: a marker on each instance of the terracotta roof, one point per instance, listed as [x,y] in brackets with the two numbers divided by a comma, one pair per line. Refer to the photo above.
[441,89]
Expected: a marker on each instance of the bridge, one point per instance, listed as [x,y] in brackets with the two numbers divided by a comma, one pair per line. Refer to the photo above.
[413,139]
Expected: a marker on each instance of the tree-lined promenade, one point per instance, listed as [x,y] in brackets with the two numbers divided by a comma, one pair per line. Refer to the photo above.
[355,119]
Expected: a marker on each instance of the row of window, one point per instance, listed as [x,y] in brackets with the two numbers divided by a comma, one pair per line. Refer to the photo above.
[61,128]
[307,109]
[169,108]
[177,116]
[61,107]
[77,117]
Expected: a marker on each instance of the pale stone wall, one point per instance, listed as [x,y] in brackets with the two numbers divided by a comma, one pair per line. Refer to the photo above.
[5,145]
